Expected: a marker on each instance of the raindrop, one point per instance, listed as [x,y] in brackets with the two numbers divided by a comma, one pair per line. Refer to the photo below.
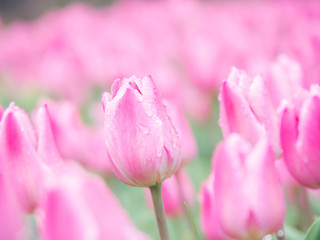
[172,131]
[144,129]
[107,110]
[174,143]
[149,113]
[159,152]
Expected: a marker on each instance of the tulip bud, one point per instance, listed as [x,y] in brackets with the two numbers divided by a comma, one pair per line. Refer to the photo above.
[173,197]
[249,199]
[142,142]
[74,139]
[26,156]
[236,115]
[86,205]
[300,136]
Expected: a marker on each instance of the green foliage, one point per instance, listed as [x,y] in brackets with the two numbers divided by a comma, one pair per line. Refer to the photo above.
[314,231]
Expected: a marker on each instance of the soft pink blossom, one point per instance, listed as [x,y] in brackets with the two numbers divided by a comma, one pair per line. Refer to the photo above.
[299,134]
[75,140]
[142,142]
[86,206]
[27,154]
[250,202]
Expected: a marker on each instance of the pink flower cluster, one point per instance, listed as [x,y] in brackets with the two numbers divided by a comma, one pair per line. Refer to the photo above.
[270,124]
[187,46]
[269,114]
[35,179]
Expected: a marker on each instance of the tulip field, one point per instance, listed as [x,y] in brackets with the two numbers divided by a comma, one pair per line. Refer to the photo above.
[173,119]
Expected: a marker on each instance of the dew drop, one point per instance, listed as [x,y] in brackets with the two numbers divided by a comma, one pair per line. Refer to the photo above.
[174,143]
[158,122]
[107,110]
[159,152]
[149,113]
[172,131]
[144,129]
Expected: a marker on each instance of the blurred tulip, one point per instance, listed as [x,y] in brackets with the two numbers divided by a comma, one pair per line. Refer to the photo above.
[209,209]
[300,131]
[79,206]
[26,155]
[11,218]
[173,197]
[248,176]
[142,143]
[236,115]
[75,140]
[188,143]
[252,107]
[284,80]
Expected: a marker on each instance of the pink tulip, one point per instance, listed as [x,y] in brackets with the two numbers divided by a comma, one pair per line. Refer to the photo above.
[209,210]
[74,139]
[80,206]
[26,155]
[173,199]
[188,143]
[250,203]
[252,107]
[236,115]
[300,131]
[142,143]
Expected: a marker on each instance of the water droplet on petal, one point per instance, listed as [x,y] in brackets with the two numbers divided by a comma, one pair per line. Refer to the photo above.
[107,110]
[159,151]
[144,129]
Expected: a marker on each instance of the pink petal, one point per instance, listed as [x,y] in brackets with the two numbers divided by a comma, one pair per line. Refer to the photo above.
[141,140]
[308,142]
[47,149]
[209,217]
[299,169]
[262,180]
[236,115]
[22,167]
[230,158]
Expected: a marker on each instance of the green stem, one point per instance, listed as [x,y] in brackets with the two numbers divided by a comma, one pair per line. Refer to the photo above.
[182,198]
[159,211]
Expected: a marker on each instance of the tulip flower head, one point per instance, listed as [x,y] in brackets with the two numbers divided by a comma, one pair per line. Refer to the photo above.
[27,154]
[85,204]
[141,140]
[300,136]
[248,176]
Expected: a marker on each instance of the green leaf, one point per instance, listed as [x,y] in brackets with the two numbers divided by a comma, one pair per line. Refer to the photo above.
[314,231]
[293,233]
[192,220]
